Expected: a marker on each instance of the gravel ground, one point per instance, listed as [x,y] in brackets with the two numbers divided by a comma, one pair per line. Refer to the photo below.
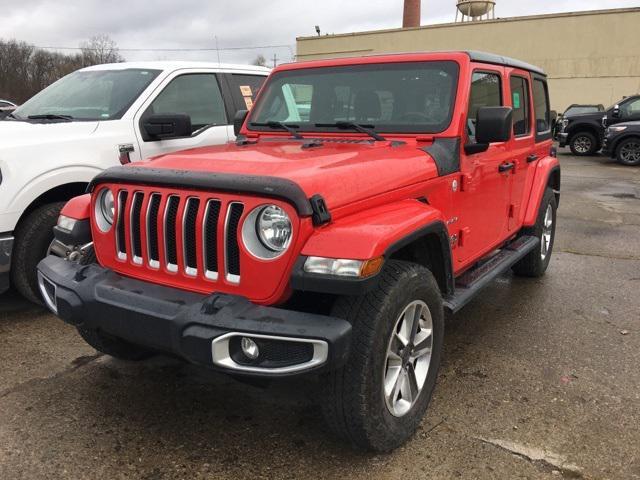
[540,379]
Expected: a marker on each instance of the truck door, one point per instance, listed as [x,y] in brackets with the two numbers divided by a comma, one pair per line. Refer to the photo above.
[484,198]
[522,144]
[197,94]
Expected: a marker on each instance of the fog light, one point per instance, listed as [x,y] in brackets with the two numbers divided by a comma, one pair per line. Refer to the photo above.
[249,348]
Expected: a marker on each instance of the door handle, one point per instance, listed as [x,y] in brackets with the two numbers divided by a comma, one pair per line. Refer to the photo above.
[505,167]
[532,158]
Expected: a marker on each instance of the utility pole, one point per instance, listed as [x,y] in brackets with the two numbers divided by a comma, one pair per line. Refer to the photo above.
[275,60]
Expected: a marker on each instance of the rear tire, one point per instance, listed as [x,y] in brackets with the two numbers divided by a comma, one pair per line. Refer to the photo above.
[33,236]
[628,152]
[536,262]
[362,402]
[113,346]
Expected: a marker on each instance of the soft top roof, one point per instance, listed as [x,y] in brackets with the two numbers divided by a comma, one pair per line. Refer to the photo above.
[474,56]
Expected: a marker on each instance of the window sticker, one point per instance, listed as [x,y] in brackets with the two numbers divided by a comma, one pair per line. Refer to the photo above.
[248,102]
[246,90]
[516,100]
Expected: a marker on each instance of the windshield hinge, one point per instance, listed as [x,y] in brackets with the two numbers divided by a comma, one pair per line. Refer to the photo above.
[321,214]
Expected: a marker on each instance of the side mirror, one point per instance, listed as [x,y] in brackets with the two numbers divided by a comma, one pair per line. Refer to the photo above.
[162,127]
[493,124]
[616,111]
[238,121]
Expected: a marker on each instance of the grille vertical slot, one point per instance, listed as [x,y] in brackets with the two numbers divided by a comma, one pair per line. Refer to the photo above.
[210,239]
[153,208]
[232,249]
[134,227]
[170,221]
[189,218]
[121,243]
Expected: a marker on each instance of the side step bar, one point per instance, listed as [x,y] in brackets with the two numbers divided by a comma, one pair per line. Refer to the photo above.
[472,281]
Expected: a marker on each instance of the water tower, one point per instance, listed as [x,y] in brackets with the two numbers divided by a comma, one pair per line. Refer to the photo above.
[474,10]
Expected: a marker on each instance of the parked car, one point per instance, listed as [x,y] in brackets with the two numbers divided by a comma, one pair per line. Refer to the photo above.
[330,245]
[622,142]
[92,119]
[574,109]
[6,107]
[583,133]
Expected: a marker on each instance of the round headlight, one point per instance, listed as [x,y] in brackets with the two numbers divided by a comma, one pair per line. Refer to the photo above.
[274,228]
[105,209]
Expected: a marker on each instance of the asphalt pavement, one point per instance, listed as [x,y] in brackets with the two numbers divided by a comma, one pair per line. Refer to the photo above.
[540,379]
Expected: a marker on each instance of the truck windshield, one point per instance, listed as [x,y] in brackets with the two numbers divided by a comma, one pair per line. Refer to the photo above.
[88,95]
[405,97]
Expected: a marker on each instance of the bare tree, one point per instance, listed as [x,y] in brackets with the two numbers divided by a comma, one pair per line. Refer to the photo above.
[100,49]
[260,61]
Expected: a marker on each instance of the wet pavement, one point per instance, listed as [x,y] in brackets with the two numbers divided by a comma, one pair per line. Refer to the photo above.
[540,379]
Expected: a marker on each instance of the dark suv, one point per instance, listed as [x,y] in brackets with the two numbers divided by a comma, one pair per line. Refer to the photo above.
[584,133]
[574,109]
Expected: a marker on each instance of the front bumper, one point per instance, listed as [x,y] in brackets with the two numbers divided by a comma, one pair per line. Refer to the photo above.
[6,247]
[563,139]
[201,329]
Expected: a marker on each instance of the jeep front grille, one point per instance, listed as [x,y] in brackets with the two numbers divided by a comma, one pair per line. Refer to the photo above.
[168,226]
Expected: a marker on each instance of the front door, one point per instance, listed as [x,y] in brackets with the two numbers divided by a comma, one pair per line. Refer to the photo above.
[197,94]
[484,199]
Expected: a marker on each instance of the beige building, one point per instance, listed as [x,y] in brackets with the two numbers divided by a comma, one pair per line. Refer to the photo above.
[590,57]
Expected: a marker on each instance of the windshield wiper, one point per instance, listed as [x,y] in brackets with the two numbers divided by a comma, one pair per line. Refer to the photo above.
[354,126]
[50,116]
[281,126]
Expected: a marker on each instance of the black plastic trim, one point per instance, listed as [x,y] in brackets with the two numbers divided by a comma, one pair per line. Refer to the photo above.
[272,187]
[80,234]
[180,322]
[446,154]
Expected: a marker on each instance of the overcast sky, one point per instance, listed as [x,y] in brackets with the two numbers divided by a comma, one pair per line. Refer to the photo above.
[194,24]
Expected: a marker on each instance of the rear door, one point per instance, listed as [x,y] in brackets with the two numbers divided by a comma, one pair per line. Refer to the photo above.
[522,144]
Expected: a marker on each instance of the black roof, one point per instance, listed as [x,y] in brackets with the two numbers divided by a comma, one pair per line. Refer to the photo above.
[484,57]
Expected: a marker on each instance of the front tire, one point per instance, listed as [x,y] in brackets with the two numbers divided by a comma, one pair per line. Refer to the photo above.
[583,144]
[33,236]
[535,263]
[628,152]
[377,400]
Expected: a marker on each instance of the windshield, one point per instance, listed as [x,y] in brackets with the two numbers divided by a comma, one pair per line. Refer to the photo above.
[391,97]
[89,95]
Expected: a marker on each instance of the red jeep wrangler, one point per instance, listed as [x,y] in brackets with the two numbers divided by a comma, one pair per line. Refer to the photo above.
[363,199]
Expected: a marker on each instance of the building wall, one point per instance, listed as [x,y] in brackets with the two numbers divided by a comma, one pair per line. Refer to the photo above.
[590,57]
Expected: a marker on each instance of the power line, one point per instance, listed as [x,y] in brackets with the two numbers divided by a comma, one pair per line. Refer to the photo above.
[254,47]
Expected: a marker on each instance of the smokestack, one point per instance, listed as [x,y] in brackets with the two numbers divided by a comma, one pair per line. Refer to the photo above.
[411,17]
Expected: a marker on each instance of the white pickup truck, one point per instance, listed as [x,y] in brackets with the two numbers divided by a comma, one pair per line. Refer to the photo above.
[95,118]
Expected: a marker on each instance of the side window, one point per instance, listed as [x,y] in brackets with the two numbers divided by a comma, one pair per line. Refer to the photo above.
[197,95]
[246,87]
[630,109]
[520,103]
[541,106]
[486,91]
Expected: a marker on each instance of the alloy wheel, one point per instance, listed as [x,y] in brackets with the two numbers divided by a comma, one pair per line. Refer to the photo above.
[547,232]
[582,144]
[630,152]
[408,358]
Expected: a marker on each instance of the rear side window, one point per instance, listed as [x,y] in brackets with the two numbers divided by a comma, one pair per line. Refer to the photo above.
[541,106]
[520,104]
[198,95]
[246,87]
[486,91]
